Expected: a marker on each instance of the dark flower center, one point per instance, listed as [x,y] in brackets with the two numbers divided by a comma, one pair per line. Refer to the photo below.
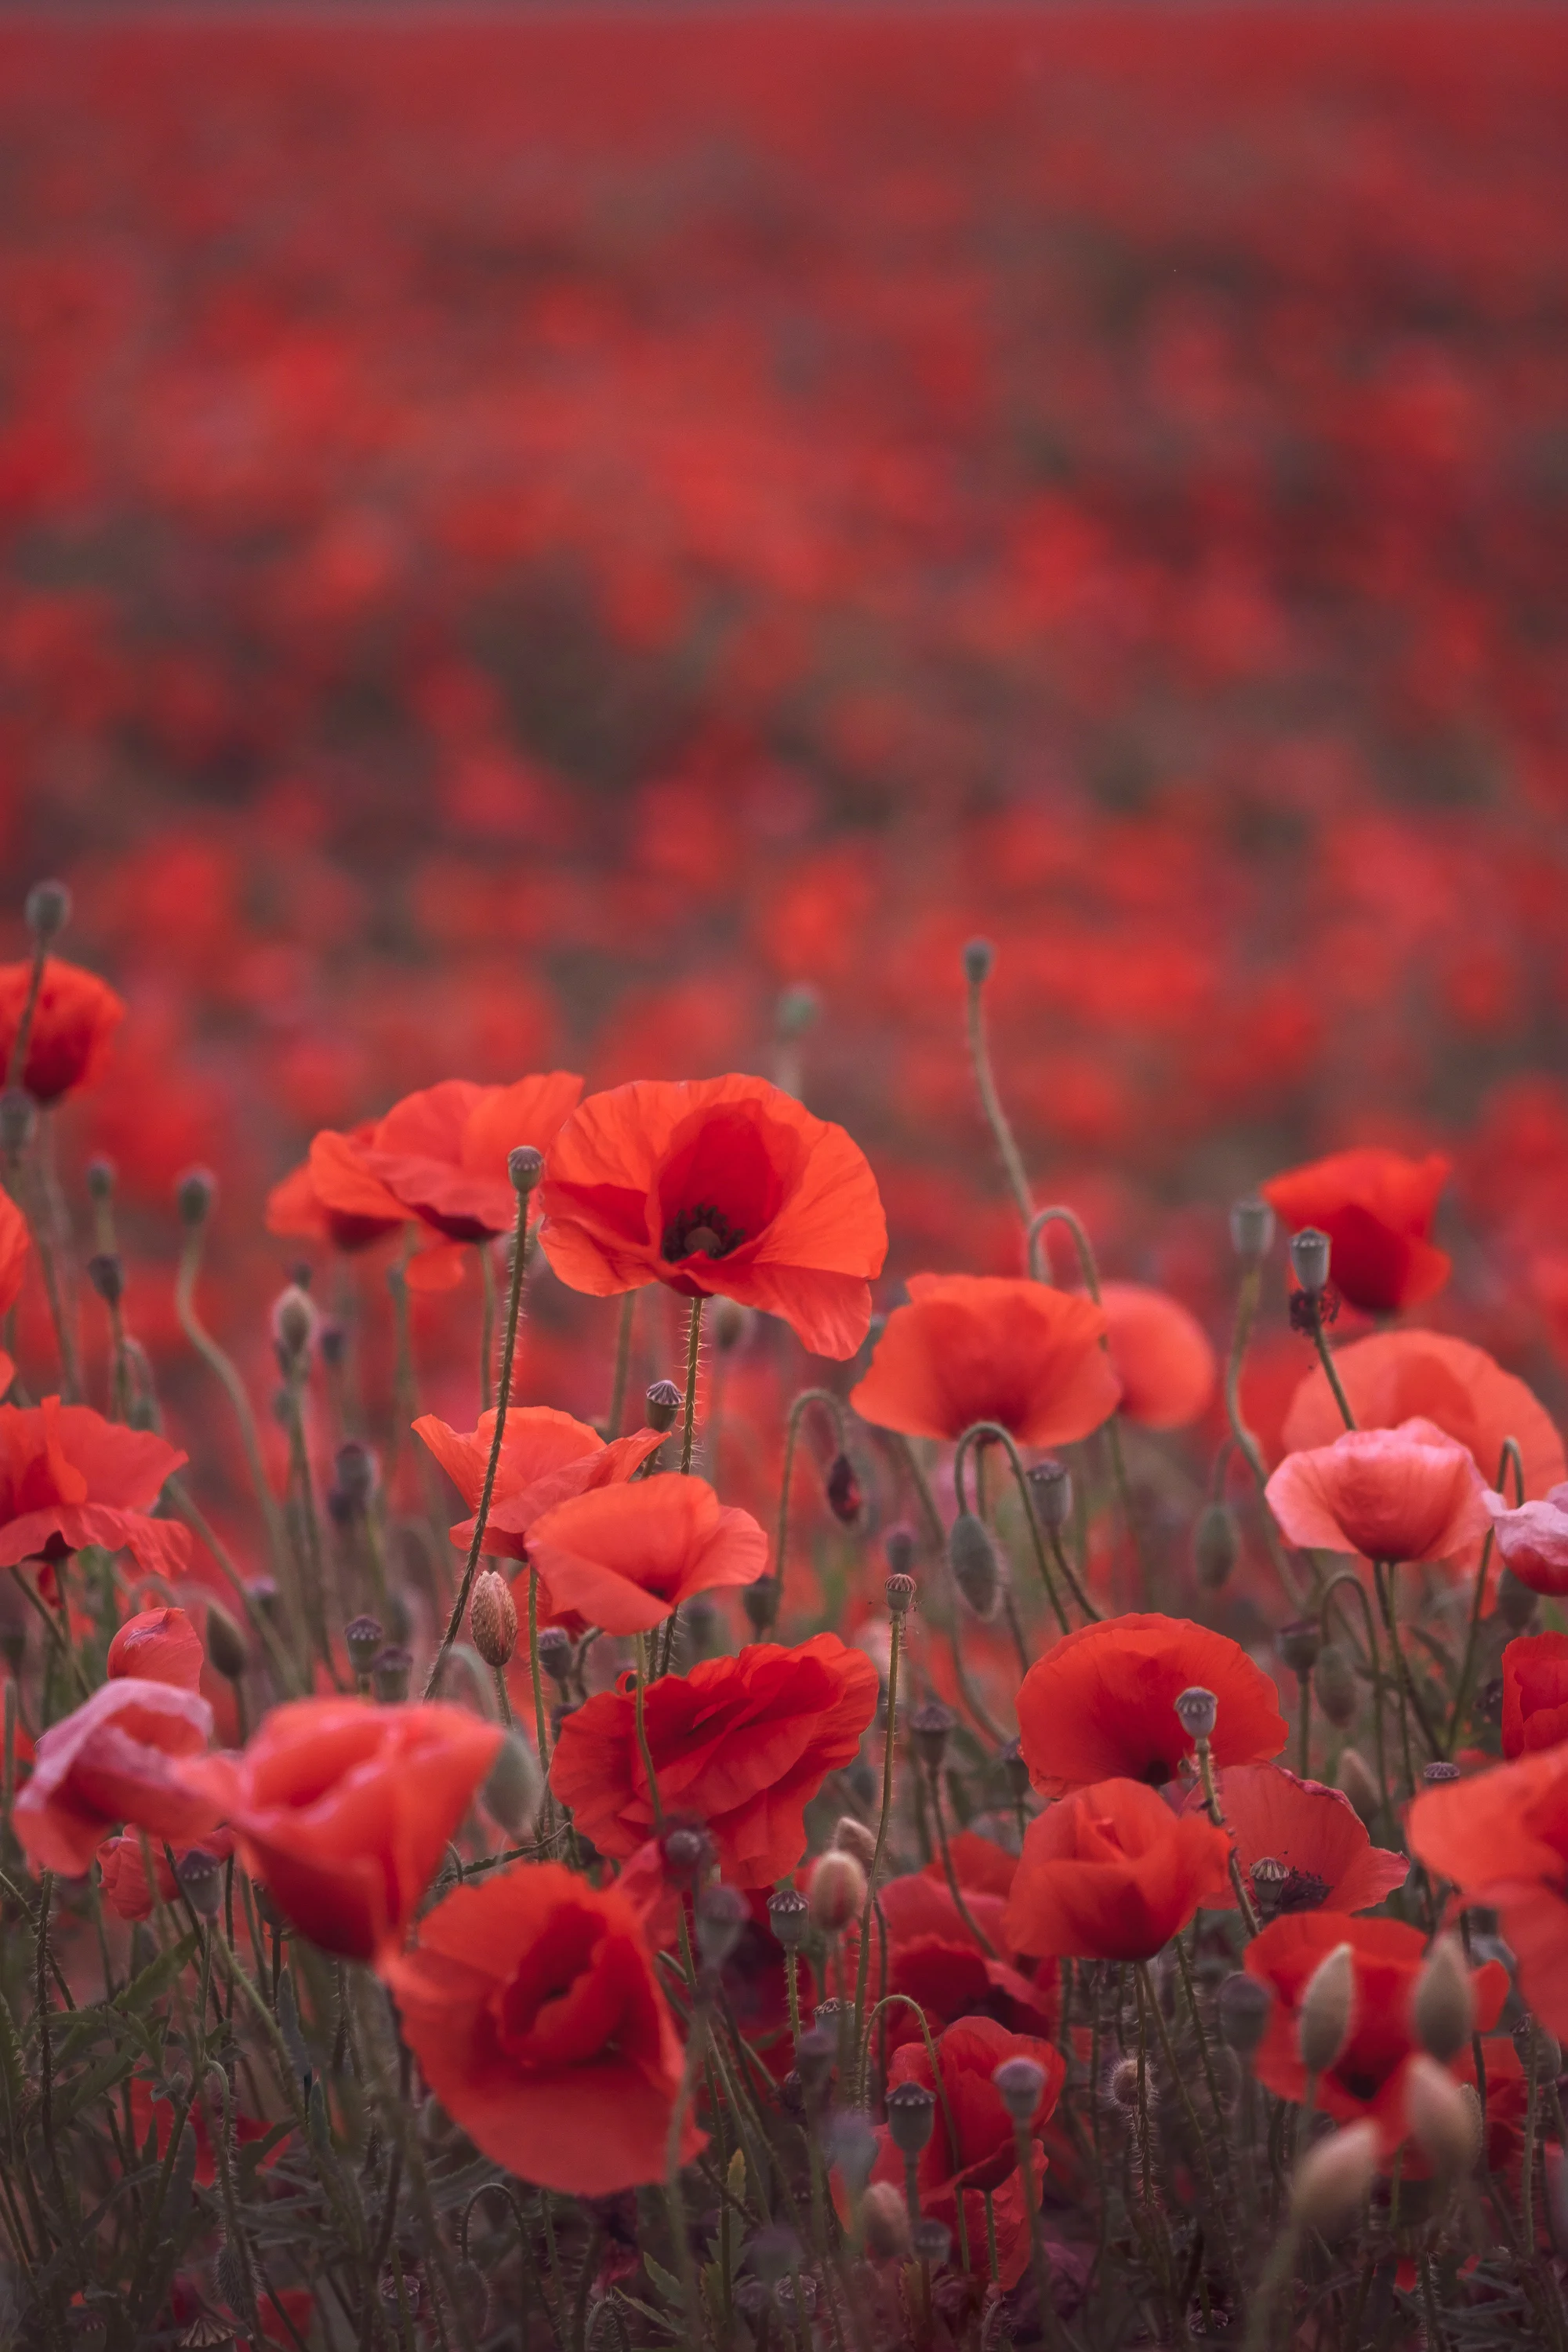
[703,1231]
[1277,1890]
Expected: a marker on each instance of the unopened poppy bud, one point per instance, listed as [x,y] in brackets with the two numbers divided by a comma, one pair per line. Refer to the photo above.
[976,1570]
[661,1405]
[1328,2004]
[837,1892]
[1356,1783]
[363,1639]
[818,2049]
[200,1874]
[1244,2004]
[899,1550]
[1516,1603]
[390,1674]
[1442,2007]
[1310,1253]
[979,963]
[1438,1771]
[525,1166]
[901,1594]
[556,1653]
[226,1645]
[931,2241]
[1016,1769]
[760,1600]
[1333,1680]
[1333,2178]
[1050,1487]
[1443,2122]
[1019,2086]
[107,1275]
[1196,1711]
[852,2147]
[492,1618]
[721,1914]
[852,1837]
[1299,1644]
[511,1791]
[357,1471]
[100,1181]
[49,910]
[930,1728]
[842,1488]
[266,1596]
[911,2112]
[1252,1228]
[18,1118]
[1217,1545]
[195,1194]
[885,2223]
[687,1850]
[293,1325]
[789,1916]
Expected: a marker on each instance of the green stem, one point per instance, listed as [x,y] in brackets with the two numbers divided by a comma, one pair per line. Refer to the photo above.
[693,1350]
[953,1888]
[623,1364]
[826,1398]
[487,1320]
[991,1103]
[993,1431]
[643,1748]
[1252,1452]
[207,1347]
[1347,1577]
[1326,1357]
[1039,1265]
[889,1745]
[1510,1455]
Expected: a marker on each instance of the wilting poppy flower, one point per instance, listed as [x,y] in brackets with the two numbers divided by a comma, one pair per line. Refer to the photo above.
[1532,1541]
[1368,2076]
[1101,1704]
[1160,1353]
[117,1759]
[546,1456]
[980,2152]
[622,1558]
[73,1028]
[344,1810]
[161,1646]
[719,1188]
[1501,1838]
[971,1348]
[1410,1493]
[532,2005]
[1397,1376]
[1377,1208]
[740,1743]
[14,1242]
[1111,1873]
[1314,1834]
[69,1477]
[300,1207]
[123,1877]
[1534,1693]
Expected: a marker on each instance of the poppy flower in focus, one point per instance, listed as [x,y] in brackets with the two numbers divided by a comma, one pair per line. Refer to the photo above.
[123,1877]
[117,1759]
[1367,2079]
[1160,1354]
[719,1188]
[1311,1832]
[1501,1838]
[1407,1494]
[1101,1704]
[300,1208]
[622,1558]
[532,2005]
[740,1743]
[161,1646]
[69,1477]
[973,2151]
[1398,1376]
[546,1456]
[1534,1693]
[343,1809]
[74,1022]
[1377,1208]
[971,1348]
[1532,1541]
[934,1959]
[1111,1873]
[14,1242]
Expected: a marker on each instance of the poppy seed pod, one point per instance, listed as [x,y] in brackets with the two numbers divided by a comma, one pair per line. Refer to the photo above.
[661,1405]
[1299,1643]
[18,1118]
[364,1638]
[1438,1771]
[884,2223]
[1252,1228]
[1324,2021]
[1443,2124]
[512,1790]
[107,1275]
[1217,1545]
[1309,1254]
[852,1837]
[1333,1680]
[556,1653]
[979,961]
[760,1600]
[719,1915]
[524,1167]
[1244,2005]
[911,2112]
[901,1594]
[1050,1488]
[789,1916]
[1443,2007]
[1020,2082]
[842,1488]
[837,1892]
[1197,1711]
[49,910]
[1516,1603]
[1333,2178]
[930,1728]
[687,1850]
[931,2241]
[226,1645]
[1356,1783]
[492,1618]
[976,1568]
[390,1674]
[193,1195]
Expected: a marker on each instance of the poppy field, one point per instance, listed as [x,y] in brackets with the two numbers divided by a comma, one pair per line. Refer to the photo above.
[783,1182]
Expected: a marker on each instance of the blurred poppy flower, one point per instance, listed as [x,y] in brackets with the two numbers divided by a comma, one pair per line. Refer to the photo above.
[69,1477]
[300,1207]
[1313,1833]
[1407,1494]
[546,1456]
[117,1759]
[74,1022]
[1534,1693]
[1377,1208]
[933,1957]
[14,1243]
[740,1743]
[531,2004]
[1100,1703]
[1501,1838]
[971,1348]
[1160,1354]
[1532,1541]
[973,2151]
[1110,1873]
[161,1646]
[1397,1376]
[719,1188]
[343,1809]
[151,2113]
[123,1877]
[622,1558]
[1368,2077]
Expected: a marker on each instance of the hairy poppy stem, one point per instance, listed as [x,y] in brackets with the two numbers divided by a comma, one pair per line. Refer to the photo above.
[1409,1699]
[643,1748]
[990,1100]
[487,1320]
[1347,1577]
[1331,1370]
[1168,2051]
[623,1365]
[889,1747]
[541,1732]
[830,1403]
[24,1037]
[1216,1815]
[982,1431]
[693,1351]
[1034,1242]
[953,1888]
[1028,2188]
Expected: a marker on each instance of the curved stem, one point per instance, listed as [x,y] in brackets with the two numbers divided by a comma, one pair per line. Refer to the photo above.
[487,1320]
[1059,1553]
[207,1347]
[693,1350]
[1347,1577]
[1409,1696]
[991,1103]
[792,1430]
[993,1432]
[953,1888]
[1509,1455]
[1039,1266]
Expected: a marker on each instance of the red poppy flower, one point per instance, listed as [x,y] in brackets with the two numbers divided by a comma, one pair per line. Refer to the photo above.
[1397,1376]
[1101,1704]
[1112,1873]
[122,1872]
[300,1207]
[1407,1494]
[546,1456]
[1534,1693]
[344,1810]
[622,1558]
[117,1759]
[1377,1208]
[74,1022]
[742,1743]
[933,1957]
[69,1477]
[14,1243]
[1532,1541]
[1316,1833]
[532,2005]
[979,2154]
[1160,1353]
[151,2112]
[1501,1838]
[971,1348]
[719,1188]
[1368,2077]
[161,1646]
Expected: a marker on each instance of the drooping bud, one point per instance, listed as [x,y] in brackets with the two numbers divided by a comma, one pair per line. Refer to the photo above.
[226,1645]
[1198,1710]
[979,961]
[364,1638]
[107,1275]
[1050,1488]
[687,1850]
[49,910]
[901,1594]
[976,1568]
[1326,2016]
[1020,2083]
[200,1874]
[1333,1680]
[524,1166]
[837,1892]
[556,1653]
[1442,2007]
[789,1916]
[1217,1545]
[1244,2004]
[1516,1603]
[1252,1228]
[1309,1254]
[842,1488]
[511,1791]
[390,1673]
[911,2112]
[293,1327]
[720,1914]
[1356,1783]
[760,1600]
[492,1618]
[884,2223]
[1443,2124]
[18,1118]
[930,1728]
[194,1195]
[1333,2178]
[661,1403]
[1299,1643]
[852,1837]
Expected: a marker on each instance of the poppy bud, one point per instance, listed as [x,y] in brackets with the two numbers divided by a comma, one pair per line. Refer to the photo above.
[193,1195]
[512,1790]
[852,2146]
[976,1568]
[687,1850]
[731,1324]
[817,2048]
[852,1837]
[1438,1771]
[1333,1679]
[525,1167]
[661,1405]
[837,1892]
[18,1118]
[1442,2007]
[200,1874]
[49,910]
[1309,1252]
[1196,1711]
[107,1275]
[789,1917]
[1050,1485]
[293,1325]
[390,1674]
[930,1728]
[100,1181]
[1299,1644]
[1443,2124]
[1357,1783]
[226,1645]
[931,2241]
[492,1618]
[1252,1228]
[556,1653]
[721,1914]
[911,2112]
[1244,2005]
[1016,1769]
[1217,1545]
[1516,1603]
[760,1600]
[364,1638]
[1328,2003]
[843,1490]
[1333,2178]
[884,2223]
[979,960]
[357,1471]
[1020,2082]
[901,1594]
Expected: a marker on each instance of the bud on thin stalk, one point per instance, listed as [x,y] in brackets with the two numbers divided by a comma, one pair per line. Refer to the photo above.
[1442,2007]
[1333,2178]
[1326,2019]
